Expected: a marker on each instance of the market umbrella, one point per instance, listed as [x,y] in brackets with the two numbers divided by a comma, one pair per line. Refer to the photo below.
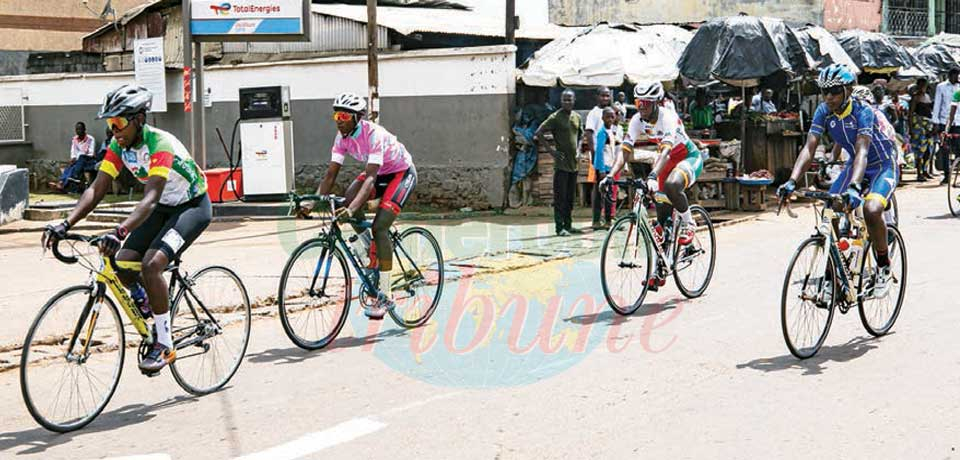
[608,55]
[936,58]
[875,52]
[824,48]
[742,50]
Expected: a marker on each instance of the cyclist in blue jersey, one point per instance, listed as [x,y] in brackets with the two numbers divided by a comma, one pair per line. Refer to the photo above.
[871,169]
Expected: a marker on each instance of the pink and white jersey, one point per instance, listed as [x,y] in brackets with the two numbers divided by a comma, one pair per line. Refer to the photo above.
[370,143]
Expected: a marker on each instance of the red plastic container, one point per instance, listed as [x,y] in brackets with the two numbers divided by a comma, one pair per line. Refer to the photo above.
[216,178]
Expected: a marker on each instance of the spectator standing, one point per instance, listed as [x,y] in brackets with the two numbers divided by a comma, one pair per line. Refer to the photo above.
[565,125]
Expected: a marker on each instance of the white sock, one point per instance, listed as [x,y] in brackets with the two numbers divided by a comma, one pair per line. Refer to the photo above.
[162,323]
[385,284]
[687,217]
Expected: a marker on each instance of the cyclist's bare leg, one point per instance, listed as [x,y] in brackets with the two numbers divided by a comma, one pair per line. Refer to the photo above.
[381,235]
[154,263]
[131,276]
[673,188]
[873,215]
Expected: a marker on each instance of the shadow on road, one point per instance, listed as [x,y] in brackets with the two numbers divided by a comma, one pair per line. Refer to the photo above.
[295,354]
[611,318]
[849,351]
[38,439]
[946,216]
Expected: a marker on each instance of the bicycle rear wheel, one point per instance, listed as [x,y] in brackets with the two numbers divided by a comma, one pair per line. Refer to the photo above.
[314,294]
[417,277]
[809,296]
[693,264]
[210,324]
[879,313]
[626,262]
[953,189]
[66,389]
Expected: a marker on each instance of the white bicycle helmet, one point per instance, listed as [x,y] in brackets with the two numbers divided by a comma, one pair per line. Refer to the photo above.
[863,93]
[648,90]
[350,102]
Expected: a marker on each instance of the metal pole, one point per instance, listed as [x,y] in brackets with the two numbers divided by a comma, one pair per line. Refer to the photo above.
[884,12]
[200,90]
[187,74]
[931,17]
[511,22]
[373,78]
[744,106]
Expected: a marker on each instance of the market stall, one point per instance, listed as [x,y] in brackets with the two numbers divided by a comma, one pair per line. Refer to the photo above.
[747,52]
[609,55]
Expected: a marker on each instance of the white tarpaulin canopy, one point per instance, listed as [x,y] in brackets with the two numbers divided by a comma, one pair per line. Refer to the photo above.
[608,55]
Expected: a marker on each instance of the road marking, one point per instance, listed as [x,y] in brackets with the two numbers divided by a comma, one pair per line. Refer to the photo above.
[142,457]
[338,434]
[315,442]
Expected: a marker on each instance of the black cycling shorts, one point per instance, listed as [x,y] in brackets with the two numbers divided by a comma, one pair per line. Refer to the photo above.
[171,229]
[393,189]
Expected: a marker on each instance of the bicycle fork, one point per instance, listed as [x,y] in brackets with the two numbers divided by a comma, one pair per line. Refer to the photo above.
[88,317]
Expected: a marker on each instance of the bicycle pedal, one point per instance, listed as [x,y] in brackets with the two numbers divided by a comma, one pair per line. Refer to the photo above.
[150,374]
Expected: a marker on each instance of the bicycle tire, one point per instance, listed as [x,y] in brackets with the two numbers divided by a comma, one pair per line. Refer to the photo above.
[244,313]
[899,247]
[409,274]
[633,232]
[808,352]
[691,292]
[953,189]
[286,315]
[26,366]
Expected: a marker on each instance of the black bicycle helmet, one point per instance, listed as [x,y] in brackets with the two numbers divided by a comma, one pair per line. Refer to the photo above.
[126,100]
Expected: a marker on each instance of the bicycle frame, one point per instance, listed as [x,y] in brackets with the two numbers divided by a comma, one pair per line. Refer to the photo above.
[828,230]
[107,278]
[640,210]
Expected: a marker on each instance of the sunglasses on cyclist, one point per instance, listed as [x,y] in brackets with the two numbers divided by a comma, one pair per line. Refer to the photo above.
[644,103]
[833,90]
[118,123]
[342,116]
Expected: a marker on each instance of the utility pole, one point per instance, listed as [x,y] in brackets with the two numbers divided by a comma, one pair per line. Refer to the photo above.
[373,77]
[187,74]
[511,25]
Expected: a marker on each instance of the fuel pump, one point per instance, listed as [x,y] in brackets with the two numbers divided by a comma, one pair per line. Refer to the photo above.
[266,143]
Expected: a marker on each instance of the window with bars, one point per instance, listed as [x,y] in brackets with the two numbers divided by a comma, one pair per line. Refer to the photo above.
[907,17]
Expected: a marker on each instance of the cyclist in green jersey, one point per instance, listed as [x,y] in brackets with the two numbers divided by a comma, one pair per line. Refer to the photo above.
[174,210]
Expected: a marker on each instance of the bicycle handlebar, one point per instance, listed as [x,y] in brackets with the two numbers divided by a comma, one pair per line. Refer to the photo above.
[72,237]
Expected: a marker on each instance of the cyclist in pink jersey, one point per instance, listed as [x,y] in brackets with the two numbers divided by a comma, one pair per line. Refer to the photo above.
[389,175]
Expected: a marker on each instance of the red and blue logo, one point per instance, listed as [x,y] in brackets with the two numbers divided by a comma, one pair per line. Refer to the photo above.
[221,9]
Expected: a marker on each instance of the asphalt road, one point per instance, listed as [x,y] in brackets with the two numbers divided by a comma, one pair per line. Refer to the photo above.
[527,362]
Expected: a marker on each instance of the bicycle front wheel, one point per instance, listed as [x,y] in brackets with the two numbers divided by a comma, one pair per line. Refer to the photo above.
[314,294]
[809,297]
[693,264]
[626,262]
[210,324]
[417,278]
[878,313]
[65,388]
[953,189]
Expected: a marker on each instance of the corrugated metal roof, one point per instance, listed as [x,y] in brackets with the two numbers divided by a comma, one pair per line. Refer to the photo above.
[327,33]
[444,21]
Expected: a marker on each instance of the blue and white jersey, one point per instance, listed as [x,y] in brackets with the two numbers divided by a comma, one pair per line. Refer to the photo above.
[857,119]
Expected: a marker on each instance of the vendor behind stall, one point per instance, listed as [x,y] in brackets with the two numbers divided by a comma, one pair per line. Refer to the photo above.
[763,102]
[701,113]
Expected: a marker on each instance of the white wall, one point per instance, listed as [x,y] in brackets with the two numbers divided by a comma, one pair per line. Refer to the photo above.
[458,71]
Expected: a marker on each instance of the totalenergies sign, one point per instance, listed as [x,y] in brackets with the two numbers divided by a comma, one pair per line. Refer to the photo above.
[246,9]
